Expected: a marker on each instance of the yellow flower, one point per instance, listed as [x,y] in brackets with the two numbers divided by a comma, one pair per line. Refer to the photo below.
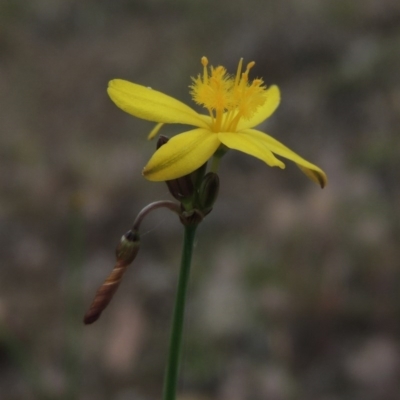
[235,105]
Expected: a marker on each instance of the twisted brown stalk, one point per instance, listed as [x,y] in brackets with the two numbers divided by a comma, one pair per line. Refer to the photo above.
[126,253]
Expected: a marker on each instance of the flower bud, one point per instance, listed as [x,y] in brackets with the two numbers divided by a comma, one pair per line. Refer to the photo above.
[208,192]
[181,188]
[198,175]
[161,141]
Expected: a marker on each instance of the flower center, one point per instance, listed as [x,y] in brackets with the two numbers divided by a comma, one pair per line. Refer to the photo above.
[227,98]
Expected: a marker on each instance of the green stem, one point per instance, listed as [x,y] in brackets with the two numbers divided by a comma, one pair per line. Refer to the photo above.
[222,150]
[215,164]
[171,376]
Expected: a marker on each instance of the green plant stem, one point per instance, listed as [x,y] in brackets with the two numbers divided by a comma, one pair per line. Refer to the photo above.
[171,376]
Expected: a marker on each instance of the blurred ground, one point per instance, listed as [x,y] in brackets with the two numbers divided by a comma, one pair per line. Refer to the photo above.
[295,290]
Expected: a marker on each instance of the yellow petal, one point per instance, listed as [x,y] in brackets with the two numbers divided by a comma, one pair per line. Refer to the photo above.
[249,145]
[206,119]
[266,110]
[151,105]
[181,155]
[312,171]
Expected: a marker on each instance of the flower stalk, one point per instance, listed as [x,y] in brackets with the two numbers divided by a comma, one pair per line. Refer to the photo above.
[172,370]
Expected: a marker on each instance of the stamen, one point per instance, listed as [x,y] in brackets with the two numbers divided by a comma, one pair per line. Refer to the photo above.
[204,62]
[245,78]
[239,71]
[250,65]
[235,121]
[245,75]
[228,118]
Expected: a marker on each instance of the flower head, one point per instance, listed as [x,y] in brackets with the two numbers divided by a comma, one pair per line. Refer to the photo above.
[234,106]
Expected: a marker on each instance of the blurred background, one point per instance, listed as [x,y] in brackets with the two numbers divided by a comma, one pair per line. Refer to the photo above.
[295,291]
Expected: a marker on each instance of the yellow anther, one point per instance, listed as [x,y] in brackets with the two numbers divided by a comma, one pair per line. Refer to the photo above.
[250,65]
[245,75]
[204,61]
